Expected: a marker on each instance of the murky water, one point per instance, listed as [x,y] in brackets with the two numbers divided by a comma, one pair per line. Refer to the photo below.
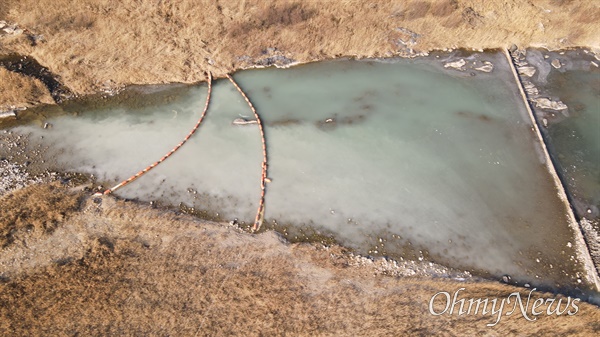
[574,133]
[401,158]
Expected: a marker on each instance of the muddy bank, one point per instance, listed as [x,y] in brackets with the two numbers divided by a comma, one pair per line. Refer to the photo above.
[113,267]
[102,45]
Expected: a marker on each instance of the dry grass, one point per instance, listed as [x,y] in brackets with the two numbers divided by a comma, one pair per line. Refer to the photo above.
[100,43]
[115,268]
[34,212]
[18,90]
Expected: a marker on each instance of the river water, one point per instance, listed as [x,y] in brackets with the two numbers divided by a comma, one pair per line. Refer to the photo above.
[402,158]
[573,133]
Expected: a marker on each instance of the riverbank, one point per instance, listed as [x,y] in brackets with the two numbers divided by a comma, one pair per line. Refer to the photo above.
[100,265]
[99,46]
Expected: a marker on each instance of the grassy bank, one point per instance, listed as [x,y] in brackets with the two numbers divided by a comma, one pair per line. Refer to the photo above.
[100,44]
[108,267]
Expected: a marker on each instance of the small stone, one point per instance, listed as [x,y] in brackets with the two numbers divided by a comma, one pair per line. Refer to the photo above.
[556,63]
[487,67]
[527,71]
[242,121]
[7,114]
[594,64]
[506,278]
[546,103]
[545,122]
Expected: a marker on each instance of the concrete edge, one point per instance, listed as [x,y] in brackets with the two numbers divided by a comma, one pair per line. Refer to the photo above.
[581,246]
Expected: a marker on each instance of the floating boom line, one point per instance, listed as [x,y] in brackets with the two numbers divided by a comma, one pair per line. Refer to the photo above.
[142,172]
[260,213]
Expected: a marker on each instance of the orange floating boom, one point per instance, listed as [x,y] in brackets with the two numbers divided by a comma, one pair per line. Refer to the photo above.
[142,172]
[260,213]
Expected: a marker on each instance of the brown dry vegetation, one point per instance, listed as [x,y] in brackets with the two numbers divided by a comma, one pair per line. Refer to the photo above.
[116,268]
[34,212]
[108,43]
[18,90]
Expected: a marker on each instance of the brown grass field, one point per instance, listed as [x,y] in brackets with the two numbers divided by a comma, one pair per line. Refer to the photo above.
[106,267]
[97,44]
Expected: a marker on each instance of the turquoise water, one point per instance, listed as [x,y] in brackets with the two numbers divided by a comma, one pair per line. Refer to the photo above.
[398,157]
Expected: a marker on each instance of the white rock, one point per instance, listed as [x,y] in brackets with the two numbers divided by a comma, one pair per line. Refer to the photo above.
[242,121]
[7,114]
[556,63]
[530,88]
[545,103]
[487,67]
[594,64]
[456,65]
[527,71]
